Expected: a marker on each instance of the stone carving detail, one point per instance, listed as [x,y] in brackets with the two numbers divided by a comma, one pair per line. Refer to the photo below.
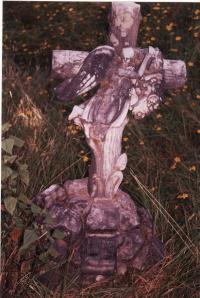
[112,231]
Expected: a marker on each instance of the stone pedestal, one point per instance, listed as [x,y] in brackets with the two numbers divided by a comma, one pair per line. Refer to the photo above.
[108,236]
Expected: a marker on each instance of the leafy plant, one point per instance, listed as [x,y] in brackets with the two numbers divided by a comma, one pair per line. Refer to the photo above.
[14,172]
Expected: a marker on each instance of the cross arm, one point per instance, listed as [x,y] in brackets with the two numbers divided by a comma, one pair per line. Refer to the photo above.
[66,64]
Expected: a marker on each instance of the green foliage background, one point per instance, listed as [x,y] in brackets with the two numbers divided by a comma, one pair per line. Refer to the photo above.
[163,149]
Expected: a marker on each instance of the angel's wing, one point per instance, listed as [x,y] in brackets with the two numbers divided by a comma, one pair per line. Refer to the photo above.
[90,74]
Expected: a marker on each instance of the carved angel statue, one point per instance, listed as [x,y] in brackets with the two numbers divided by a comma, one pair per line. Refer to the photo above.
[131,82]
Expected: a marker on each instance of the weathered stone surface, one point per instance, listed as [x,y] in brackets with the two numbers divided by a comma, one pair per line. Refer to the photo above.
[129,218]
[54,193]
[112,234]
[139,261]
[132,243]
[104,215]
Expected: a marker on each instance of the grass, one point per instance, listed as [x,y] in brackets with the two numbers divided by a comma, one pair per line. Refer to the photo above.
[163,149]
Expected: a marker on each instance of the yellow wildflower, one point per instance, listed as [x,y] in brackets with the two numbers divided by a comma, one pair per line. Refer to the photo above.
[158,116]
[141,142]
[85,158]
[190,63]
[169,27]
[192,168]
[125,139]
[177,38]
[153,189]
[29,113]
[183,196]
[156,8]
[148,28]
[177,159]
[157,128]
[173,167]
[36,6]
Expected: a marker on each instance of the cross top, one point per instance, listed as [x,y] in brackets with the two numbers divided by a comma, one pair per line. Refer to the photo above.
[125,20]
[130,78]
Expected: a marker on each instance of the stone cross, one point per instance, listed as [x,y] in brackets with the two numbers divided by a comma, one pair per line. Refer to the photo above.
[115,233]
[130,79]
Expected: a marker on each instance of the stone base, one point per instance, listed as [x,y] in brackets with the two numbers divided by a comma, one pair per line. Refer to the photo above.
[108,236]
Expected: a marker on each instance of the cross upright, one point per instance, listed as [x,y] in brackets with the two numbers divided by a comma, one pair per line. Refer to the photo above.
[113,232]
